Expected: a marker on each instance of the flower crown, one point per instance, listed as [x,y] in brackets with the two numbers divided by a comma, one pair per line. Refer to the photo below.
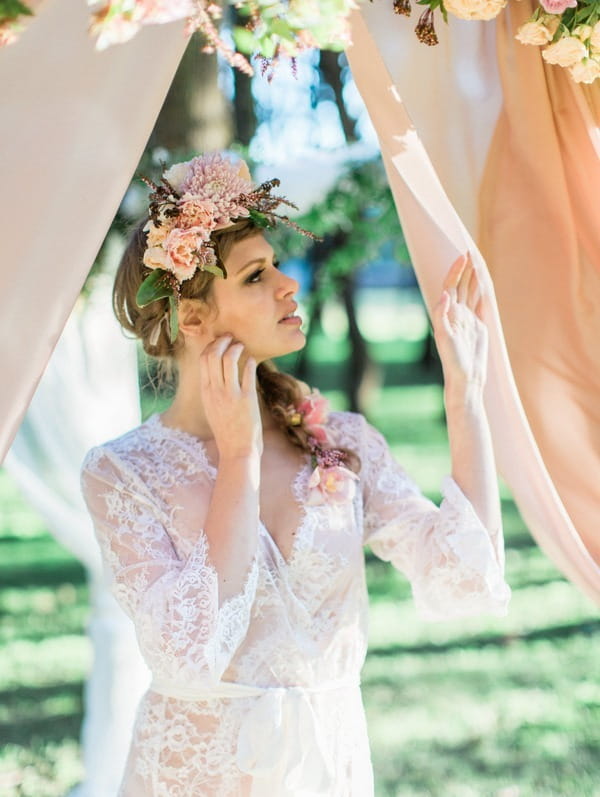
[193,200]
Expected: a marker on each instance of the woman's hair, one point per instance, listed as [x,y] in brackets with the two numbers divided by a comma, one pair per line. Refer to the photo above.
[281,392]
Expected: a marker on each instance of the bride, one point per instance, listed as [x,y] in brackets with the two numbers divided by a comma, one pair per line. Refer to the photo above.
[233,524]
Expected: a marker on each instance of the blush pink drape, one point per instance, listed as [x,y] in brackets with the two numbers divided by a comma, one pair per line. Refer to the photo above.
[436,234]
[540,235]
[73,124]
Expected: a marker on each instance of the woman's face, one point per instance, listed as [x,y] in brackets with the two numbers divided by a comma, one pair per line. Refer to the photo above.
[256,304]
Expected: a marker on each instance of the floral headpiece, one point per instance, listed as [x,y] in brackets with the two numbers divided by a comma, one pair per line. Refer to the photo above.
[192,200]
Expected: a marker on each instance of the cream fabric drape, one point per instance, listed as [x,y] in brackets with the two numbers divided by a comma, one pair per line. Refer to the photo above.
[435,235]
[73,125]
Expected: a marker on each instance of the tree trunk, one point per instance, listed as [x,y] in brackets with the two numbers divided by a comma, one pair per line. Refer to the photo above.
[332,74]
[195,115]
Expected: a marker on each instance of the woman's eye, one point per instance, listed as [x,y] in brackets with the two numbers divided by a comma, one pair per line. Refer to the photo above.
[276,263]
[255,276]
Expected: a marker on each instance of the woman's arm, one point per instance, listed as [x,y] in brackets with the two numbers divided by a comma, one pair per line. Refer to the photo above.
[461,338]
[231,406]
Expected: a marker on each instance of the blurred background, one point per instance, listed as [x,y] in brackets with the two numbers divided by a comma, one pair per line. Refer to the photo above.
[505,707]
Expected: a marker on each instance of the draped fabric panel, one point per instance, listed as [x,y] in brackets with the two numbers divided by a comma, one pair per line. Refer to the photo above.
[88,394]
[74,123]
[544,257]
[436,234]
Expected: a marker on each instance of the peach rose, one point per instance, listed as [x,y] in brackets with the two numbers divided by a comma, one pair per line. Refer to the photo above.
[181,246]
[475,9]
[336,484]
[567,51]
[533,33]
[585,71]
[197,212]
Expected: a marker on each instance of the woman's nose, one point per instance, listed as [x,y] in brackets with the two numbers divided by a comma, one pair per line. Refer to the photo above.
[288,285]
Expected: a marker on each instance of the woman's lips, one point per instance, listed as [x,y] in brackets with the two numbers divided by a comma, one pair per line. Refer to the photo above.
[293,320]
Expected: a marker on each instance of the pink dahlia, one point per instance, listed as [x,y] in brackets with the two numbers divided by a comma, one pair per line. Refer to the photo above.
[215,179]
[558,6]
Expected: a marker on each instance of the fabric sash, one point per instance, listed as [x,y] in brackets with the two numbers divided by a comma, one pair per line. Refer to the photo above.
[280,743]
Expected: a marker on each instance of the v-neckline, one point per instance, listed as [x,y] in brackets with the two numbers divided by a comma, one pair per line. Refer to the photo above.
[298,483]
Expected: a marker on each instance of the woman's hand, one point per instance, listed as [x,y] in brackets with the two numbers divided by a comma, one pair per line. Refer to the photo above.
[460,334]
[230,399]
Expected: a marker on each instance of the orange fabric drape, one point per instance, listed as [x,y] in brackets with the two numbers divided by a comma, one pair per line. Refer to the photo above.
[73,124]
[435,235]
[540,234]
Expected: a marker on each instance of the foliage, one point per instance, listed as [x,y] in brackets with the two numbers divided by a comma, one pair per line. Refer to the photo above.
[356,219]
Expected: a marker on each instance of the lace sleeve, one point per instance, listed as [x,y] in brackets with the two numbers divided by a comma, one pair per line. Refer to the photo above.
[445,552]
[174,603]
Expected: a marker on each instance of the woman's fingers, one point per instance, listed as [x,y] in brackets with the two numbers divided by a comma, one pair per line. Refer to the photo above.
[454,275]
[213,360]
[231,363]
[248,382]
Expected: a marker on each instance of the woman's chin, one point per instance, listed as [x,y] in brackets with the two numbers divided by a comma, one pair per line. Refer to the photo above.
[298,343]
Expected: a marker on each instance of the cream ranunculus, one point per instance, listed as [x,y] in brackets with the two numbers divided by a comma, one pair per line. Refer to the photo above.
[595,37]
[551,22]
[155,257]
[567,51]
[177,174]
[533,33]
[585,71]
[475,9]
[582,32]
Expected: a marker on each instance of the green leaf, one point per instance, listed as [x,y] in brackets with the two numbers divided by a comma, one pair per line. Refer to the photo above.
[259,219]
[218,272]
[245,40]
[173,319]
[13,8]
[155,286]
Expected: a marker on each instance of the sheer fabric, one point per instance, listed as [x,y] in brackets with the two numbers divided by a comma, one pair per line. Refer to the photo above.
[259,693]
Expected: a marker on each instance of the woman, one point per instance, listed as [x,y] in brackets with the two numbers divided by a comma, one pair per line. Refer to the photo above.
[233,524]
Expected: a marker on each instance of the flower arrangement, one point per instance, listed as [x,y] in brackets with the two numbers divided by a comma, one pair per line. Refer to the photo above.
[191,201]
[274,28]
[569,32]
[11,20]
[330,480]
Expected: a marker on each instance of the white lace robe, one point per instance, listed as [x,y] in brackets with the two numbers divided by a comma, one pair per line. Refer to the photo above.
[260,695]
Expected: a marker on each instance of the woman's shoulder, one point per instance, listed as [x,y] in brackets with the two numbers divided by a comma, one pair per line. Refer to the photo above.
[347,429]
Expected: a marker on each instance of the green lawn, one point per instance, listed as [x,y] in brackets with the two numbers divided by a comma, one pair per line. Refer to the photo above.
[478,708]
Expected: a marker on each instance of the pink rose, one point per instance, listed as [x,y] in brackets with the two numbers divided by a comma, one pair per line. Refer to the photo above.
[197,212]
[9,32]
[336,485]
[315,409]
[182,246]
[557,6]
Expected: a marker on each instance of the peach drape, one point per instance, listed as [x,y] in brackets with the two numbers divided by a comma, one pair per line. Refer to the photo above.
[544,257]
[435,234]
[73,124]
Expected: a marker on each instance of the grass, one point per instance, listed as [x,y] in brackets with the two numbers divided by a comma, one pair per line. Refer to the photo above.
[480,708]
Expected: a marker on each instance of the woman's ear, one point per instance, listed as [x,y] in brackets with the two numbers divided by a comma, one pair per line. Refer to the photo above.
[192,317]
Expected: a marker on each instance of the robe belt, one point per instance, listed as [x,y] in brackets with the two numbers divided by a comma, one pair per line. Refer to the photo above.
[280,742]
